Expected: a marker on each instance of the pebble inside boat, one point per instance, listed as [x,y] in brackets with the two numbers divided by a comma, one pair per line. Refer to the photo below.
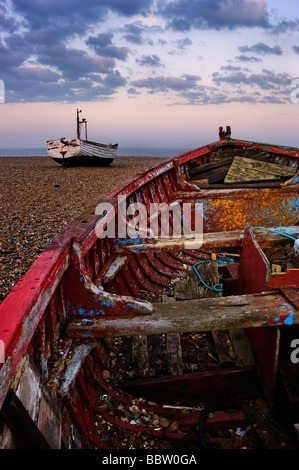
[164,342]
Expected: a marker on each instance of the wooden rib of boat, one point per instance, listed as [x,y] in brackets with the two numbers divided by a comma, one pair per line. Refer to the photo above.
[81,152]
[133,342]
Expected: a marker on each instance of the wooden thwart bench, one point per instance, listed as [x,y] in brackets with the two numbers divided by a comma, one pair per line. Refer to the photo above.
[245,311]
[206,241]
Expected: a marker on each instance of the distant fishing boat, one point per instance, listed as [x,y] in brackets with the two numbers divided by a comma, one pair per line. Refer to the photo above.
[81,152]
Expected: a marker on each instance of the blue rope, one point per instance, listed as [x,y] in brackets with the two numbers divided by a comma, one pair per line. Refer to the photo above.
[216,287]
[225,260]
[277,233]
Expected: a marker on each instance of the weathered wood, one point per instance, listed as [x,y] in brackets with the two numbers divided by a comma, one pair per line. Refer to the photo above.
[206,241]
[190,287]
[36,407]
[110,269]
[24,429]
[49,421]
[140,358]
[224,348]
[201,169]
[79,355]
[156,351]
[174,354]
[265,309]
[247,169]
[212,240]
[241,347]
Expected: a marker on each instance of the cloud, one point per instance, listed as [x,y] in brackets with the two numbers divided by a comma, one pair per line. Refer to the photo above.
[230,68]
[150,60]
[183,43]
[182,15]
[37,60]
[163,84]
[134,33]
[245,58]
[76,13]
[261,48]
[103,46]
[278,84]
[65,51]
[139,33]
[74,63]
[285,26]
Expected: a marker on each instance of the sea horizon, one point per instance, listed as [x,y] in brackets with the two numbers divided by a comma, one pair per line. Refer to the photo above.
[121,152]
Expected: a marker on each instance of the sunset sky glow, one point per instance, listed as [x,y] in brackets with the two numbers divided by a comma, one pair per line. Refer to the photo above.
[149,73]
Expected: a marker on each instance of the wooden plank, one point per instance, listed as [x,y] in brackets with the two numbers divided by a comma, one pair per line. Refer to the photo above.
[224,348]
[80,353]
[247,169]
[205,168]
[174,353]
[190,287]
[211,240]
[49,421]
[241,347]
[140,358]
[197,387]
[23,428]
[245,311]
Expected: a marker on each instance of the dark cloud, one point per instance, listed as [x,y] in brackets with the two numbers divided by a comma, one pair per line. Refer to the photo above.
[41,59]
[36,62]
[103,46]
[74,63]
[210,95]
[139,33]
[182,15]
[133,91]
[150,60]
[285,26]
[261,48]
[134,33]
[163,84]
[76,13]
[230,68]
[183,43]
[266,80]
[245,58]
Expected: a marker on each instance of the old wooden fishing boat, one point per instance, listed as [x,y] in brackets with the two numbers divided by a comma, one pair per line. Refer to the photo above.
[81,152]
[142,340]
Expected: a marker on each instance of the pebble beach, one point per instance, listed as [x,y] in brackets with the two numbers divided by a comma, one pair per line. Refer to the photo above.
[39,198]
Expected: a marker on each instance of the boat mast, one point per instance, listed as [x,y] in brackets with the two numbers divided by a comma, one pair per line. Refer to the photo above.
[78,123]
[81,122]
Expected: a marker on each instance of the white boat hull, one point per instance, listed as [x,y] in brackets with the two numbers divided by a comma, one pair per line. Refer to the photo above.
[78,152]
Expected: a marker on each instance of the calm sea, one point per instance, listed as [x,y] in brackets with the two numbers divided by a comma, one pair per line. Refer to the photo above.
[121,152]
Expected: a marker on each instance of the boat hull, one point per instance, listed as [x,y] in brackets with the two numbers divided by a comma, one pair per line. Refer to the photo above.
[78,152]
[87,297]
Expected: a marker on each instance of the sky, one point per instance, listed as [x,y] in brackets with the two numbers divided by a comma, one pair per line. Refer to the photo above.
[149,73]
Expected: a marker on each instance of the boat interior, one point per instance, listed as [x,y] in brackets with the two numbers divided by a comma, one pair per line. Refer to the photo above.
[165,343]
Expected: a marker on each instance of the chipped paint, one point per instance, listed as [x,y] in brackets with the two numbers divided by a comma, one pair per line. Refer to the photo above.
[69,292]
